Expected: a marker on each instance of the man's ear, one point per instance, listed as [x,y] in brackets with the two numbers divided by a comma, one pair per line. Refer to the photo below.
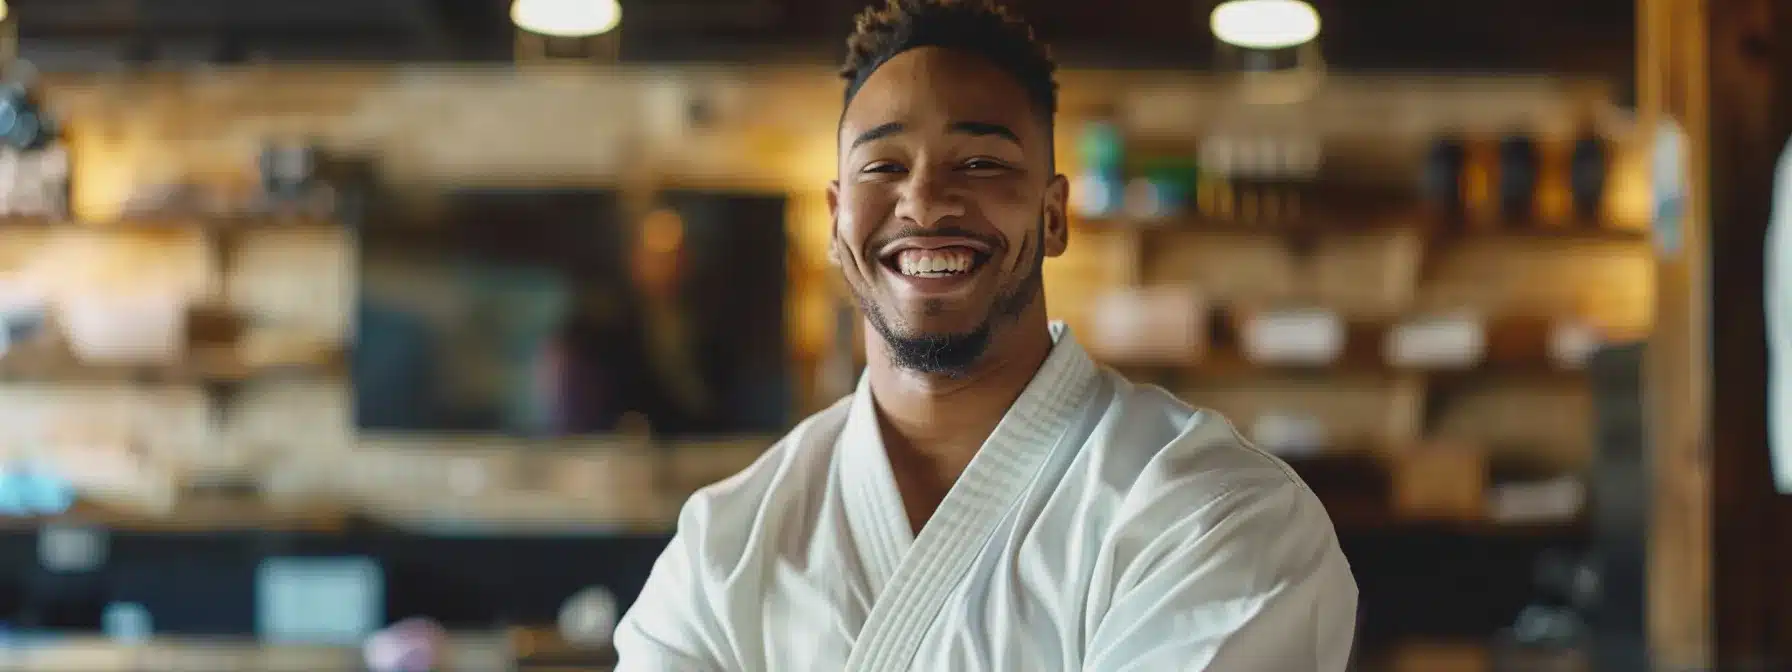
[1057,217]
[833,221]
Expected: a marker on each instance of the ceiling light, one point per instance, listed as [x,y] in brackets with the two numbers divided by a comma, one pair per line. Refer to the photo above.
[3,10]
[566,18]
[1265,24]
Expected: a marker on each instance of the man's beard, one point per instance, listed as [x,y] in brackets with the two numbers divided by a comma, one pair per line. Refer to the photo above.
[953,355]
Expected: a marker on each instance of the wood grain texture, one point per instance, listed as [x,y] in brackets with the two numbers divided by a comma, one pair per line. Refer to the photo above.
[1672,86]
[1750,73]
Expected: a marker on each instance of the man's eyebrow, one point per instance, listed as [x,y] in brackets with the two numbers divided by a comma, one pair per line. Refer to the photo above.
[985,128]
[883,131]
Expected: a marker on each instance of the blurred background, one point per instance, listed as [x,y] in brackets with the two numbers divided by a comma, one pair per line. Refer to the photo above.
[325,316]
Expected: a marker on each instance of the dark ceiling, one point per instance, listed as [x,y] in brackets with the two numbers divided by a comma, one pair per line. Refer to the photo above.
[1578,36]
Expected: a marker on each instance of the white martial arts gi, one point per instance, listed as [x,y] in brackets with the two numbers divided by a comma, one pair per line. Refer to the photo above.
[1103,526]
[1779,325]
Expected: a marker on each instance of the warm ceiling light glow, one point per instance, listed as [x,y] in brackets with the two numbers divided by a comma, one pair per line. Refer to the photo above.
[566,18]
[1265,24]
[3,10]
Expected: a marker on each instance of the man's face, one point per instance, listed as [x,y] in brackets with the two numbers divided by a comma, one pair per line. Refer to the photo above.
[945,206]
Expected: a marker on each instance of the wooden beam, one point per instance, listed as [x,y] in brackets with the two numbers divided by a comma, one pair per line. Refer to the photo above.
[1671,88]
[1749,115]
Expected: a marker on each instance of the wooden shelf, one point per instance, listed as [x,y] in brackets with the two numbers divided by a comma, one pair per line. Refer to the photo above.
[1199,224]
[1433,229]
[1223,363]
[1356,488]
[1234,365]
[204,515]
[180,222]
[1349,521]
[202,366]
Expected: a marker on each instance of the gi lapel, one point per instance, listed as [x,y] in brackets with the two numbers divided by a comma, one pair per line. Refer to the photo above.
[941,554]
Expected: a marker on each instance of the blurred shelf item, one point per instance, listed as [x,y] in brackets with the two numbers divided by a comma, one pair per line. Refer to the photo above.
[1440,481]
[1164,325]
[1545,502]
[1447,349]
[1358,488]
[1350,517]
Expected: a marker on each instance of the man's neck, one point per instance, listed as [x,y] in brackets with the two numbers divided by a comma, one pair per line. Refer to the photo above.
[941,421]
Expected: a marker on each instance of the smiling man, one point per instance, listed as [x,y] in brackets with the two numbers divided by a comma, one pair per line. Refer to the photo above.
[989,498]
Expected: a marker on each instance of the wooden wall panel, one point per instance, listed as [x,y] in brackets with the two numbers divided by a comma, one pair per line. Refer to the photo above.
[1750,71]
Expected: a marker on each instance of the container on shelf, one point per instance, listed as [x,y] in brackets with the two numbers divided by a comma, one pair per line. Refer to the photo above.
[1358,412]
[1556,500]
[1520,164]
[120,328]
[1168,186]
[1100,182]
[1103,147]
[1446,164]
[1437,342]
[1375,272]
[1440,481]
[1293,337]
[1589,165]
[1572,344]
[1289,434]
[1163,325]
[1096,194]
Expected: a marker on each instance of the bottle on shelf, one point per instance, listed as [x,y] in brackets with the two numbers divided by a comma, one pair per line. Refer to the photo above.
[1166,185]
[1480,184]
[1217,158]
[1256,179]
[1588,167]
[1302,158]
[1519,166]
[1249,169]
[1100,179]
[1446,167]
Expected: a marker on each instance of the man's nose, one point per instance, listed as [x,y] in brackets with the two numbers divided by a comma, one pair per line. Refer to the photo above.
[929,199]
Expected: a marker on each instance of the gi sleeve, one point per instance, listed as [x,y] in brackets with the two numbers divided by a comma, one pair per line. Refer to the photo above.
[673,625]
[1217,568]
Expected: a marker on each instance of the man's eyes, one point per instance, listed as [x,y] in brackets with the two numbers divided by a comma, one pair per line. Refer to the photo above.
[976,165]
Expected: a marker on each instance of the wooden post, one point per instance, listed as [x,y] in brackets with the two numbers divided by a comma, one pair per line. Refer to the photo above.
[1671,93]
[1721,537]
[1750,89]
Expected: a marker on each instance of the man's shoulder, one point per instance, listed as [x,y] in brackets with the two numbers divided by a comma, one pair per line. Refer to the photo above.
[1182,446]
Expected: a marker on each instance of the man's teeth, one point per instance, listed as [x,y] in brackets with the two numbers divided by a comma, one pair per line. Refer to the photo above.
[934,263]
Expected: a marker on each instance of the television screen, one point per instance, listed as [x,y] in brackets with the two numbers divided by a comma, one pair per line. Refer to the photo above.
[548,313]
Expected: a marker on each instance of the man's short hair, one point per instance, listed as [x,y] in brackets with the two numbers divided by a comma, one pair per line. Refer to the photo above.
[974,26]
